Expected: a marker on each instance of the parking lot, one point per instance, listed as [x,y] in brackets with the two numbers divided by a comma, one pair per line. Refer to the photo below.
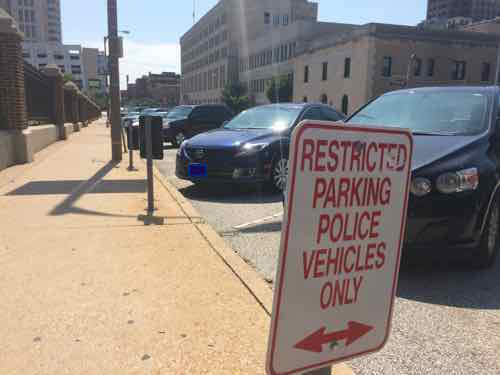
[447,315]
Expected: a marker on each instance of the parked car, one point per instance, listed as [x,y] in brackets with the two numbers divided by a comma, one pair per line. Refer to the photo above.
[251,148]
[185,122]
[130,118]
[454,200]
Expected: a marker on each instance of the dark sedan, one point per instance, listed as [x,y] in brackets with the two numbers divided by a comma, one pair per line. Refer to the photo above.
[454,202]
[186,121]
[251,148]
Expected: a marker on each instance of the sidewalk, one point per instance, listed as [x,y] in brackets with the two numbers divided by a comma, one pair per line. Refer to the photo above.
[86,288]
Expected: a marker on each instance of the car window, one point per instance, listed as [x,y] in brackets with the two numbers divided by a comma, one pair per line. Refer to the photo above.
[455,112]
[314,113]
[331,115]
[200,114]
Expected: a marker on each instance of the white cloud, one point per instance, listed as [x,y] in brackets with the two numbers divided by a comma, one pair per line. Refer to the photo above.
[141,58]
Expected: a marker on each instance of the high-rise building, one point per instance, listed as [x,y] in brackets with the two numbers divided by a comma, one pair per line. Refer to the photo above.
[39,20]
[250,41]
[475,10]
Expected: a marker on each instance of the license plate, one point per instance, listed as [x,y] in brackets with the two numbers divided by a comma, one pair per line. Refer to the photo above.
[197,170]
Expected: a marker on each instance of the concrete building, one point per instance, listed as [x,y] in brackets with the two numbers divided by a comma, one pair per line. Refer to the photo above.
[246,40]
[475,10]
[348,69]
[39,20]
[67,57]
[94,66]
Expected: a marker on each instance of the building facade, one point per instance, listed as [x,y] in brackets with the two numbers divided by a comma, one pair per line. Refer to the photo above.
[163,88]
[250,41]
[475,10]
[67,57]
[348,70]
[39,20]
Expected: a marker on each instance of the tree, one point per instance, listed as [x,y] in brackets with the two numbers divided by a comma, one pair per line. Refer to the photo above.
[235,97]
[68,77]
[280,90]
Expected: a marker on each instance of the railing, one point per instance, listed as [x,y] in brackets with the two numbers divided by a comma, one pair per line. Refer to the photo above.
[38,93]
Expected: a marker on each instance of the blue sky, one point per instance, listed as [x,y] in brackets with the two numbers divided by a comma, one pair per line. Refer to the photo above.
[156,25]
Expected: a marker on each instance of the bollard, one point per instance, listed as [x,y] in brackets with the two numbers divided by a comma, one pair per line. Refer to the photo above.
[149,151]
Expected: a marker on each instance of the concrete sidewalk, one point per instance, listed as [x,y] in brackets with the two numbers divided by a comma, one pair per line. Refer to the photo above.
[86,288]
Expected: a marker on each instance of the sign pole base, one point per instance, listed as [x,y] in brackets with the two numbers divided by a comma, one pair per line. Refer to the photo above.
[322,371]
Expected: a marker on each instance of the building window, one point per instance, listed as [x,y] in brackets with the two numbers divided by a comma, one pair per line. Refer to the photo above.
[387,67]
[417,67]
[267,18]
[306,74]
[347,67]
[345,104]
[458,70]
[285,20]
[430,67]
[324,76]
[485,72]
[304,99]
[324,99]
[276,20]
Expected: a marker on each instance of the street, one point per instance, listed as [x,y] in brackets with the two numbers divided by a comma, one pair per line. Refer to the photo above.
[447,315]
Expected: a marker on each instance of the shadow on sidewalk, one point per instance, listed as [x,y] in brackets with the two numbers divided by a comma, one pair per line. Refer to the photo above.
[75,189]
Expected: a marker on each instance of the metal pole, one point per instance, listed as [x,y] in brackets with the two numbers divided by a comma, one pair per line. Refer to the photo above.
[106,64]
[497,72]
[116,139]
[322,371]
[130,145]
[149,153]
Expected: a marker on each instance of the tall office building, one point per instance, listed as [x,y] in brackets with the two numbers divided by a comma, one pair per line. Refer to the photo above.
[250,41]
[475,10]
[39,20]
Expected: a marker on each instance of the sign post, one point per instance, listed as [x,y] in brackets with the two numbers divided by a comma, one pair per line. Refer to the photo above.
[151,148]
[149,164]
[130,148]
[340,245]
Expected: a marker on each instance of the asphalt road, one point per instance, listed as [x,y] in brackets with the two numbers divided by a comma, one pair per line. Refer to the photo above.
[447,315]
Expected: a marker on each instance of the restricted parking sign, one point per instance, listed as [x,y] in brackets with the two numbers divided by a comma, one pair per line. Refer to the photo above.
[340,244]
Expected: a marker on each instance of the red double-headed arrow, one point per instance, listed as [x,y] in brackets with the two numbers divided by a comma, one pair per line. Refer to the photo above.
[314,343]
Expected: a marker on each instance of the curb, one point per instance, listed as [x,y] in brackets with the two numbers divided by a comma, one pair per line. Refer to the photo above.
[250,279]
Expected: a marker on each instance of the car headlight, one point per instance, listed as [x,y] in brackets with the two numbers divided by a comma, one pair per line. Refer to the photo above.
[456,182]
[421,186]
[166,125]
[251,148]
[135,123]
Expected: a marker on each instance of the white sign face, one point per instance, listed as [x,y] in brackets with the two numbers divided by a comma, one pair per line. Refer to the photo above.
[340,245]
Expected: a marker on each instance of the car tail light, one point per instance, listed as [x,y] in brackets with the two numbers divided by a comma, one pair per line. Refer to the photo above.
[456,182]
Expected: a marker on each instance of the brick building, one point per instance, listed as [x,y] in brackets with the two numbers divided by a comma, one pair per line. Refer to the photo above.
[347,70]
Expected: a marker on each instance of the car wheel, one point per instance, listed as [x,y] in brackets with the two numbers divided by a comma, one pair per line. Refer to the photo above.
[489,247]
[179,138]
[279,174]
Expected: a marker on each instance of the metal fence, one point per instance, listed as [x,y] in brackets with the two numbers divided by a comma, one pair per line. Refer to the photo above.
[38,93]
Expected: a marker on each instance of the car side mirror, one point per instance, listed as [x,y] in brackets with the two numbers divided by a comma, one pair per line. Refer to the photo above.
[225,123]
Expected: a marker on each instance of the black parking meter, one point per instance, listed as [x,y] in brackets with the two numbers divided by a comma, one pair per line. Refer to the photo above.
[133,137]
[156,137]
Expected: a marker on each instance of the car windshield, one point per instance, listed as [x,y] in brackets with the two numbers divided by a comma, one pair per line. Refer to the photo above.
[179,112]
[266,117]
[133,114]
[445,112]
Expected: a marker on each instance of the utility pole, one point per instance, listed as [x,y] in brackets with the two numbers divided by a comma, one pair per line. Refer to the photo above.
[116,133]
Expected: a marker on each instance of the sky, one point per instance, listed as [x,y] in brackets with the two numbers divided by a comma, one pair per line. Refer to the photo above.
[156,25]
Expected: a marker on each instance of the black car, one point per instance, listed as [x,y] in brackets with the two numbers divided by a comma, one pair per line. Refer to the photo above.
[251,148]
[454,200]
[186,121]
